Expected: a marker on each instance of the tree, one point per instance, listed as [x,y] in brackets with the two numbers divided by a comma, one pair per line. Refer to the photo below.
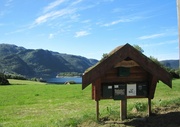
[138,48]
[173,72]
[105,55]
[3,80]
[156,61]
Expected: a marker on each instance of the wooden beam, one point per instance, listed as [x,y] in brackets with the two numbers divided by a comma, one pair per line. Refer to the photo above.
[152,86]
[96,92]
[97,89]
[93,91]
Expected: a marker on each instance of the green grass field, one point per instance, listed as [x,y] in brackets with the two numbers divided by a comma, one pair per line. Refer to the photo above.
[35,104]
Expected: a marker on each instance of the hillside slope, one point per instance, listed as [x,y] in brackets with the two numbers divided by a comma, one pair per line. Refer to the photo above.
[39,62]
[174,64]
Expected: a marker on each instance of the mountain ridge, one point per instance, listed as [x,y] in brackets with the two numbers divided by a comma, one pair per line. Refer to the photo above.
[174,64]
[40,62]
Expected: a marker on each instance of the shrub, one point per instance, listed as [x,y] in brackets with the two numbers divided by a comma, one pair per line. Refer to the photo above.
[140,106]
[3,80]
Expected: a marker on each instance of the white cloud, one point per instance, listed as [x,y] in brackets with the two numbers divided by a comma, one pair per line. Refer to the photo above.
[53,5]
[81,33]
[68,11]
[151,36]
[76,2]
[52,15]
[117,22]
[50,12]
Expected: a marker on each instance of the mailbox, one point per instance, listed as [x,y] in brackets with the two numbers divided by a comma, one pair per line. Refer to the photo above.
[107,91]
[119,91]
[142,89]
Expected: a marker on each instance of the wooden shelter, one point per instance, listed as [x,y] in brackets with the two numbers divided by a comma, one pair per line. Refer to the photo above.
[124,73]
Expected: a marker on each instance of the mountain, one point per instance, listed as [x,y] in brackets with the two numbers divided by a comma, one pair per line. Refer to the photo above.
[39,62]
[174,64]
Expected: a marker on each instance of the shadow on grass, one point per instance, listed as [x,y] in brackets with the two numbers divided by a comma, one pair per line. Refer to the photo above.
[170,119]
[5,85]
[156,120]
[161,117]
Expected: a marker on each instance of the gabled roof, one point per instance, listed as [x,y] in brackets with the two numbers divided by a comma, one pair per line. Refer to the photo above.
[119,54]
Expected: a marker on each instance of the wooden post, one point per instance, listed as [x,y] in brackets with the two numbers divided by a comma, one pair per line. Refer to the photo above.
[123,113]
[149,106]
[96,94]
[97,110]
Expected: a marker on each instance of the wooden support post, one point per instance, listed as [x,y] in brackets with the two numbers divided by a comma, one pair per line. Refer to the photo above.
[123,113]
[152,87]
[97,110]
[149,106]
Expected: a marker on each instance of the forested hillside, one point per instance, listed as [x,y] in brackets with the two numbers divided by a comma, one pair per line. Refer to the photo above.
[174,64]
[39,62]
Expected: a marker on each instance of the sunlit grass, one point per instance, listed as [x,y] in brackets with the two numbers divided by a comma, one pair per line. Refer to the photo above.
[27,103]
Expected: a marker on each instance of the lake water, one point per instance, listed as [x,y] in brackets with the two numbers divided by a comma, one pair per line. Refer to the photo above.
[62,80]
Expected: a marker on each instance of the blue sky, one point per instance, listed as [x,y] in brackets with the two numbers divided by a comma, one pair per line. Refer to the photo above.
[90,28]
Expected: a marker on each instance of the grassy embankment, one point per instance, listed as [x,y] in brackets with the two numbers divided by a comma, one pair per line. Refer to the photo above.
[34,104]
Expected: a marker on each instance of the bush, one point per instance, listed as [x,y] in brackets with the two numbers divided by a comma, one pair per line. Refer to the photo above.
[3,80]
[15,76]
[140,106]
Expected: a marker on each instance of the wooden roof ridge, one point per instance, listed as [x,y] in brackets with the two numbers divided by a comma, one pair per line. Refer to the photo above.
[119,54]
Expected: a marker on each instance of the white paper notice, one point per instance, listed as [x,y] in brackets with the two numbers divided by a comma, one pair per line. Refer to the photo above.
[131,89]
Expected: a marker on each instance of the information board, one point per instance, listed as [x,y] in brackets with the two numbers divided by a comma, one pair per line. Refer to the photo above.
[131,89]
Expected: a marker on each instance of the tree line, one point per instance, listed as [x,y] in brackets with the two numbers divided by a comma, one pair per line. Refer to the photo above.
[69,74]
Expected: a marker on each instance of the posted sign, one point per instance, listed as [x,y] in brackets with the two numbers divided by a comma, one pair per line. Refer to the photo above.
[131,89]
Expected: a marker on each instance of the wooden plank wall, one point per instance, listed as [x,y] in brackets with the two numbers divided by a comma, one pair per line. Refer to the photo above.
[137,74]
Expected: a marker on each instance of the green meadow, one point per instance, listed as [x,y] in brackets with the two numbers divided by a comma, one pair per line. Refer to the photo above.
[35,104]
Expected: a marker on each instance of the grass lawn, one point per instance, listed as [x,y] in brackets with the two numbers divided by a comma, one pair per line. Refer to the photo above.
[35,104]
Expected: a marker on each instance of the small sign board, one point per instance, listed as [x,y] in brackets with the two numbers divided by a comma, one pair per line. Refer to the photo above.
[107,91]
[120,92]
[142,89]
[131,89]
